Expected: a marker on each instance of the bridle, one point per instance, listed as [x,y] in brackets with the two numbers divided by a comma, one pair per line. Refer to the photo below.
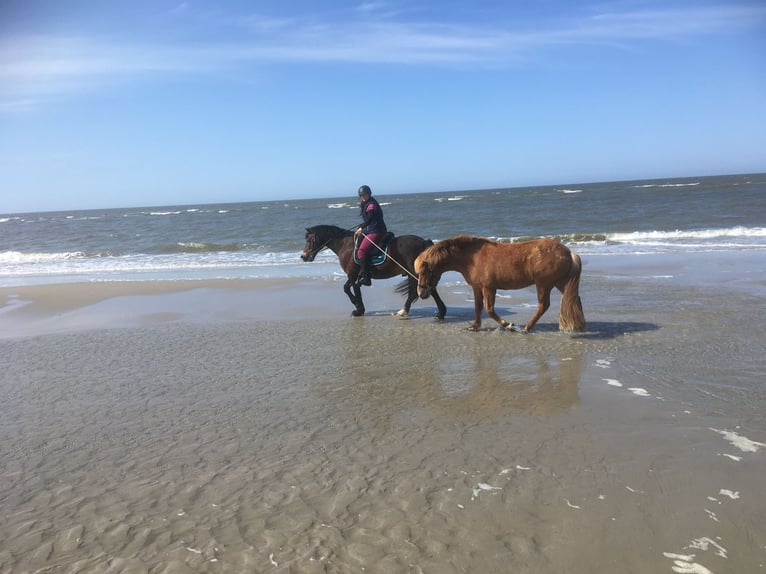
[318,249]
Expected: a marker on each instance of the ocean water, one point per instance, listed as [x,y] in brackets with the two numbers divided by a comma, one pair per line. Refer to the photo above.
[264,239]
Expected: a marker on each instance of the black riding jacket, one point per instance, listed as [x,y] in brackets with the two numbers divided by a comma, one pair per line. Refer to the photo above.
[372,215]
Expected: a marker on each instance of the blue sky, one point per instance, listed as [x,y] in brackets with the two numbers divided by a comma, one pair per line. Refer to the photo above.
[117,104]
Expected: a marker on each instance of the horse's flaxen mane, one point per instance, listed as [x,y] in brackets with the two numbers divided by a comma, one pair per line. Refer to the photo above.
[439,252]
[463,241]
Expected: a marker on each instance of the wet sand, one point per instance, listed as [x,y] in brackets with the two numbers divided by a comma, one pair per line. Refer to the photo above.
[254,426]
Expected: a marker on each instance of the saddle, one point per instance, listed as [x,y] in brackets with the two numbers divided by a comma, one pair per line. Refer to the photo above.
[380,256]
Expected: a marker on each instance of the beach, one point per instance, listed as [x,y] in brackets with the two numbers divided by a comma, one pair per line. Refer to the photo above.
[255,426]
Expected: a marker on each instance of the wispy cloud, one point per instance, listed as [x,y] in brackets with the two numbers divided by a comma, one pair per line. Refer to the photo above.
[38,68]
[380,10]
[669,24]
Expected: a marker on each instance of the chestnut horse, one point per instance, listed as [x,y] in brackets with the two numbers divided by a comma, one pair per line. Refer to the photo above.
[401,253]
[488,266]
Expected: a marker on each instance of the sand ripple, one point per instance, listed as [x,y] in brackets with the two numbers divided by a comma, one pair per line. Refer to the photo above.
[293,447]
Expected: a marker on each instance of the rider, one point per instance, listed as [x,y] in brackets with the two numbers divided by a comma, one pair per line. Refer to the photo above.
[373,230]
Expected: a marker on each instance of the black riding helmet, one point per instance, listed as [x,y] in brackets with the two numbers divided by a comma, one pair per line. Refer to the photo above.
[365,190]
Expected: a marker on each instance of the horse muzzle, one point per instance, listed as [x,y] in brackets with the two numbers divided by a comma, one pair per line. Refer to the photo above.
[307,256]
[424,291]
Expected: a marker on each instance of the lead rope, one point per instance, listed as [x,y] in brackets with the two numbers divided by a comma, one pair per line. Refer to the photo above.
[407,271]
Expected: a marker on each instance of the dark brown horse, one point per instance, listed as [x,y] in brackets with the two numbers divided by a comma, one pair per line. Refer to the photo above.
[402,251]
[488,266]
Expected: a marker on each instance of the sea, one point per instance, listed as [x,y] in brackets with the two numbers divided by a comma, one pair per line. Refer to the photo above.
[263,239]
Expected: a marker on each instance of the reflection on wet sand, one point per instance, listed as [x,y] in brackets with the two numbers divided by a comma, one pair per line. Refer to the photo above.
[460,375]
[530,384]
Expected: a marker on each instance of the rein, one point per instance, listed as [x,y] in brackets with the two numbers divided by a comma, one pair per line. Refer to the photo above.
[379,248]
[332,239]
[323,245]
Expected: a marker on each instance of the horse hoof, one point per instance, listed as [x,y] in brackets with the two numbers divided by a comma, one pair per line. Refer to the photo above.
[401,314]
[356,313]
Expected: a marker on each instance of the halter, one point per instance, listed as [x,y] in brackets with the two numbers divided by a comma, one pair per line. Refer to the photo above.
[424,287]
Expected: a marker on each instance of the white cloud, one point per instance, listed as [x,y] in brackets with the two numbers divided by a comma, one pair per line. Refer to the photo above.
[34,68]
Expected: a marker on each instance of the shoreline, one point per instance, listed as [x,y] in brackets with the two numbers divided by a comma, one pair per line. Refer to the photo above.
[69,307]
[35,309]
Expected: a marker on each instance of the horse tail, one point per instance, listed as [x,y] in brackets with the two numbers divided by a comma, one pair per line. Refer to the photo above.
[571,316]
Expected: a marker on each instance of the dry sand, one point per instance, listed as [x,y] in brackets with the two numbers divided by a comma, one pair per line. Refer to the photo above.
[256,427]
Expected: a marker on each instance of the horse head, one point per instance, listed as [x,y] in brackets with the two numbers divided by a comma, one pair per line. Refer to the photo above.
[321,236]
[428,277]
[312,247]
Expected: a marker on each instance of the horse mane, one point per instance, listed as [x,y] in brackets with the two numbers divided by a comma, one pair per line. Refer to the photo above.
[329,232]
[444,250]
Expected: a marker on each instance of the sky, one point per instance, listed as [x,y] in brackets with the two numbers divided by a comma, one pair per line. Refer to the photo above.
[152,102]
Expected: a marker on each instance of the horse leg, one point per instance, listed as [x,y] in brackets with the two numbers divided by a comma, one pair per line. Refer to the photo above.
[478,303]
[442,308]
[543,302]
[347,290]
[359,311]
[412,294]
[489,306]
[355,297]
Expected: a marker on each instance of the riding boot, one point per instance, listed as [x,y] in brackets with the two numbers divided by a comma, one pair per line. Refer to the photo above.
[364,273]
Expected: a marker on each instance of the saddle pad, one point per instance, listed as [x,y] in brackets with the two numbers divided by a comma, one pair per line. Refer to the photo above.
[379,256]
